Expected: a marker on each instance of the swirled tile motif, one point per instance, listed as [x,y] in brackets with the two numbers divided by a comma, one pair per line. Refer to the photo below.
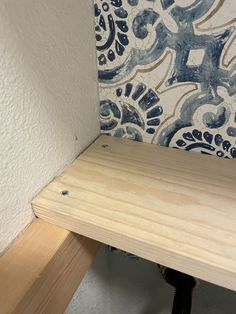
[167,72]
[132,111]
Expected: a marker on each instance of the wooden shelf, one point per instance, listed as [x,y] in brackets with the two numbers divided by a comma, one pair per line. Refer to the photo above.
[172,207]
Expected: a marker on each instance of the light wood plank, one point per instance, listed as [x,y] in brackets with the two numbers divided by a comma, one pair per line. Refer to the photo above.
[43,268]
[172,207]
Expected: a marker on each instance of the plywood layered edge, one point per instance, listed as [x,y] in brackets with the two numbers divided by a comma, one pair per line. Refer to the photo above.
[169,206]
[42,269]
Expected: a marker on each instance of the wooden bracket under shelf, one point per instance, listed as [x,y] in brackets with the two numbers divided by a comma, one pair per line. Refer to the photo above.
[43,268]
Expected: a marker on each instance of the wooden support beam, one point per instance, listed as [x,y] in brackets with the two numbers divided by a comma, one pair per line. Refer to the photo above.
[172,207]
[43,268]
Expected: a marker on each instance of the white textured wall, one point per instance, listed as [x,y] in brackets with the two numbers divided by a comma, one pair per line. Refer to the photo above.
[48,99]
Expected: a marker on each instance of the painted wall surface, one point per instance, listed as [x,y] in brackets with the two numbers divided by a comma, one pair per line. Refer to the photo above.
[167,72]
[119,285]
[48,99]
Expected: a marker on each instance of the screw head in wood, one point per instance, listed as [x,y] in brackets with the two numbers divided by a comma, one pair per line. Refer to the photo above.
[64,192]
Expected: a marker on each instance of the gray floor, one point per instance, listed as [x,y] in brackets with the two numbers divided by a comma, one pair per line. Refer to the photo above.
[118,285]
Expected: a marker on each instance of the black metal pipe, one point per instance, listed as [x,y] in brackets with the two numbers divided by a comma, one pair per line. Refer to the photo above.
[184,285]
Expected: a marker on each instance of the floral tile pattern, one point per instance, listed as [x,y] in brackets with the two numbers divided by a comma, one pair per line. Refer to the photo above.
[167,72]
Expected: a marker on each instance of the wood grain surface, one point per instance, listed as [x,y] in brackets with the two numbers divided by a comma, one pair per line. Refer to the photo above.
[43,268]
[172,207]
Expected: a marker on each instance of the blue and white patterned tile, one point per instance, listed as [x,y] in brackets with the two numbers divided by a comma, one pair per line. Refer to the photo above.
[167,72]
[131,110]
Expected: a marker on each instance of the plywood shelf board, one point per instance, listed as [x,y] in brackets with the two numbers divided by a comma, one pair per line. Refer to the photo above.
[173,207]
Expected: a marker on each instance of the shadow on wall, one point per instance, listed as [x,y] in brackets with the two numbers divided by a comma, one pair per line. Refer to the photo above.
[117,285]
[48,99]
